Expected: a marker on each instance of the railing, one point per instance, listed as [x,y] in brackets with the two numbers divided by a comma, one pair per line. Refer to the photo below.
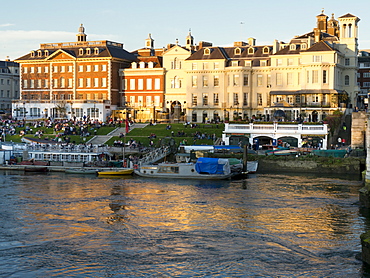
[275,127]
[155,155]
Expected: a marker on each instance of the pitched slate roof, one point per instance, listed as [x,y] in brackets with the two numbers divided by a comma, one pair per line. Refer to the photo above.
[104,52]
[321,46]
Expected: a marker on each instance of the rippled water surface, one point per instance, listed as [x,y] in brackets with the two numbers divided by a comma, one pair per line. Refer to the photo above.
[65,225]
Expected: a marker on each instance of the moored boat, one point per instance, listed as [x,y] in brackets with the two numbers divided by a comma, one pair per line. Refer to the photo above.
[81,171]
[127,171]
[205,168]
[36,169]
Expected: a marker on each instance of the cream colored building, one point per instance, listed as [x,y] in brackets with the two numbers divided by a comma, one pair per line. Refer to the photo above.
[307,78]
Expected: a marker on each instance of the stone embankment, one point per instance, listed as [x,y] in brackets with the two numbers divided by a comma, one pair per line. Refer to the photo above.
[325,166]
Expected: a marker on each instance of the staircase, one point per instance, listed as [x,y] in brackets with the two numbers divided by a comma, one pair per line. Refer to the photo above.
[155,155]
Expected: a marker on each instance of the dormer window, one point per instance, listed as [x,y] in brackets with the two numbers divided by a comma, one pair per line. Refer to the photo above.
[142,65]
[251,50]
[292,47]
[88,51]
[304,46]
[46,52]
[237,51]
[134,65]
[96,51]
[150,65]
[39,53]
[266,50]
[235,63]
[207,51]
[32,53]
[80,52]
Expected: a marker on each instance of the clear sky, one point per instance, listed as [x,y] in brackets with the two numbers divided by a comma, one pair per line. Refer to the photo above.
[26,24]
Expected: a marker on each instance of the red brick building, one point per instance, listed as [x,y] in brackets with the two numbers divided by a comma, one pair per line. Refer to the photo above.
[143,84]
[72,79]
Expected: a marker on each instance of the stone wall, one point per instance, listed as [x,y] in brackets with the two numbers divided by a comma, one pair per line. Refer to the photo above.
[359,121]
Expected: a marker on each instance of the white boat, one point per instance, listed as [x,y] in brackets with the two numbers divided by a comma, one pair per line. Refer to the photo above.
[252,166]
[205,168]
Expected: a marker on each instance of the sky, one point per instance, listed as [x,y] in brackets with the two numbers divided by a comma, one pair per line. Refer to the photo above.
[24,25]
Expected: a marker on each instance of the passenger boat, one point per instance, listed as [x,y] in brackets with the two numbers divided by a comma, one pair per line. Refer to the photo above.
[83,171]
[127,171]
[205,168]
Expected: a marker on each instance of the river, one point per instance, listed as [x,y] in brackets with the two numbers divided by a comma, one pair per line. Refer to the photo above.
[270,225]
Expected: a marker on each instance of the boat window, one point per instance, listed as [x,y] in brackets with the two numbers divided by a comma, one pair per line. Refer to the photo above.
[168,169]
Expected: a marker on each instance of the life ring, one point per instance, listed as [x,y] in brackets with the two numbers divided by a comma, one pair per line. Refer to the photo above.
[125,164]
[135,166]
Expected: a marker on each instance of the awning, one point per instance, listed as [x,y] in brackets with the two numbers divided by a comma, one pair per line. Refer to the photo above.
[307,92]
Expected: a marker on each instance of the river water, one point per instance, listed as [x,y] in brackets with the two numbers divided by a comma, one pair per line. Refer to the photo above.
[270,225]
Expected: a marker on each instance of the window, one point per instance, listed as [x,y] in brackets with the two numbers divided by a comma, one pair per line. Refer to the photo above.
[205,81]
[308,76]
[104,82]
[32,70]
[62,82]
[103,67]
[96,67]
[346,80]
[315,76]
[55,83]
[70,68]
[290,62]
[235,63]
[70,82]
[251,50]
[157,84]
[132,84]
[88,82]
[346,62]
[80,68]
[194,81]
[237,51]
[324,77]
[266,50]
[24,70]
[289,78]
[298,99]
[259,99]
[269,80]
[304,46]
[150,65]
[140,84]
[216,81]
[248,63]
[216,65]
[215,99]
[96,82]
[62,68]
[279,79]
[259,80]
[149,84]
[235,99]
[279,62]
[236,80]
[96,51]
[316,58]
[263,63]
[207,51]
[245,79]
[194,100]
[366,84]
[46,83]
[80,52]
[292,47]
[245,98]
[88,51]
[46,69]
[39,69]
[88,68]
[194,66]
[205,65]
[39,83]
[205,99]
[366,74]
[142,65]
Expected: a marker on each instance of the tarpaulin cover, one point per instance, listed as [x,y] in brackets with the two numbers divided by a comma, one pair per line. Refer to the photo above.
[209,165]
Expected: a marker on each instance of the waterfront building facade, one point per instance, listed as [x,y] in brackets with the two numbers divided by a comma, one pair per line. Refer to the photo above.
[143,85]
[73,80]
[363,78]
[306,79]
[9,86]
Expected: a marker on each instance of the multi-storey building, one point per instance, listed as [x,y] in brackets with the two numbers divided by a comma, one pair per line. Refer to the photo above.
[72,79]
[308,78]
[9,85]
[363,79]
[143,85]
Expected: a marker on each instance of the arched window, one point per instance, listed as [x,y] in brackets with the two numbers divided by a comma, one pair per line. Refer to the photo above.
[80,51]
[238,51]
[207,51]
[251,50]
[88,51]
[266,50]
